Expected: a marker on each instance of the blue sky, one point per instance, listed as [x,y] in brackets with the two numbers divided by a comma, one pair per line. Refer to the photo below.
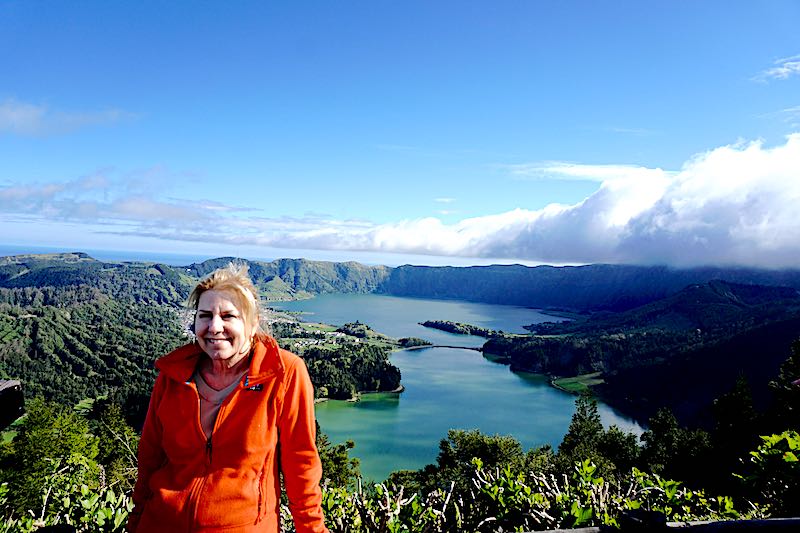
[392,132]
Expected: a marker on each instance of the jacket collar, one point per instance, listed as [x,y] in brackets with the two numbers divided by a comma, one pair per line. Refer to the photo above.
[265,361]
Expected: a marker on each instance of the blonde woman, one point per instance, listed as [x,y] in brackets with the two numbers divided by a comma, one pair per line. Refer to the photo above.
[227,413]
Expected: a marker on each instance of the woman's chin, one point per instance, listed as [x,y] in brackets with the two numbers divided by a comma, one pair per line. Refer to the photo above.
[218,353]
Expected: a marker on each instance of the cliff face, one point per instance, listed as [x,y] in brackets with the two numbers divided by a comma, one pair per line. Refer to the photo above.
[583,288]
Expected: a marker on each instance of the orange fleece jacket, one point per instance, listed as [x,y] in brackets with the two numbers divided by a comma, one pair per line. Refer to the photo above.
[230,482]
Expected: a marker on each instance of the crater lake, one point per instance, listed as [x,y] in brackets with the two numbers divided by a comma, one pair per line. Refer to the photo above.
[445,388]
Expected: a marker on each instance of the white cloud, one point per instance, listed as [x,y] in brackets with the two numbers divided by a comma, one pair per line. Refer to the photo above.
[566,171]
[21,118]
[733,205]
[444,200]
[784,68]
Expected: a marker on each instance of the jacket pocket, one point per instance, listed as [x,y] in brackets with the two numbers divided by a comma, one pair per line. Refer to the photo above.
[230,497]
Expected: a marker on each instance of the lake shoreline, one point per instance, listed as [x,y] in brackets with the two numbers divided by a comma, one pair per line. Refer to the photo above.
[444,388]
[357,398]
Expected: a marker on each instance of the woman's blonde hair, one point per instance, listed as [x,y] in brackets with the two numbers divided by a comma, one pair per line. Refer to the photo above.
[235,280]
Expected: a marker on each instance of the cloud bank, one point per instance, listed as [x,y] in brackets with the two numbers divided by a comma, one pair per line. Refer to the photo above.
[733,205]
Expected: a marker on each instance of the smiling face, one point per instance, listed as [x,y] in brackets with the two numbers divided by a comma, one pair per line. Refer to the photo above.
[221,330]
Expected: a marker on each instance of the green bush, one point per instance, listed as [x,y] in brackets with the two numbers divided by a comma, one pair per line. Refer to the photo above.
[774,473]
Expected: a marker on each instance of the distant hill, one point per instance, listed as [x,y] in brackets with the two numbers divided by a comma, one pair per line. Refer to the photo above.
[580,288]
[716,307]
[281,279]
[287,278]
[141,282]
[682,351]
[691,381]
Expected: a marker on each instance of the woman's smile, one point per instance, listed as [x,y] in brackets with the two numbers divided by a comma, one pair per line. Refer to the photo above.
[220,327]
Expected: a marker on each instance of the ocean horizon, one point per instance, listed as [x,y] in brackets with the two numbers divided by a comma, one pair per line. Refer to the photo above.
[167,258]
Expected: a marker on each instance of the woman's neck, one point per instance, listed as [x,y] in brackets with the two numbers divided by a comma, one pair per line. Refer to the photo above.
[220,374]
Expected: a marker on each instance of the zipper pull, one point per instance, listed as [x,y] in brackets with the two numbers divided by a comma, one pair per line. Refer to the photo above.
[208,449]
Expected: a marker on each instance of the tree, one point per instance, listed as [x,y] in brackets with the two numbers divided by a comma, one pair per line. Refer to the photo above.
[585,429]
[619,448]
[675,452]
[457,452]
[786,408]
[583,438]
[117,444]
[735,432]
[338,468]
[51,439]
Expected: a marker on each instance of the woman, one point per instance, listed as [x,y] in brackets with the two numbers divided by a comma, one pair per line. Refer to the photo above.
[225,411]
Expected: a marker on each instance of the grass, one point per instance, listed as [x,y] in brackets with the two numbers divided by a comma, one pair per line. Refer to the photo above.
[309,326]
[578,384]
[84,405]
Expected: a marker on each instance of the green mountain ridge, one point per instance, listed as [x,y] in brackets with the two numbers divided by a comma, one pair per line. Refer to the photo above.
[713,306]
[681,351]
[302,276]
[80,312]
[589,288]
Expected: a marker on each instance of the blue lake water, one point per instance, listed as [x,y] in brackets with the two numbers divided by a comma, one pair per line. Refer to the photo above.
[445,387]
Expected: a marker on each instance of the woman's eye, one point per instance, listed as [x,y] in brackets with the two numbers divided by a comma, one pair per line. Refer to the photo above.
[204,316]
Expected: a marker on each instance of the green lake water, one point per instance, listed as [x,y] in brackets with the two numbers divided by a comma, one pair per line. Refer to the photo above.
[444,387]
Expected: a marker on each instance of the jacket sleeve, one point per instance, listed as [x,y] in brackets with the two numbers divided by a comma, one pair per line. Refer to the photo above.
[151,454]
[302,469]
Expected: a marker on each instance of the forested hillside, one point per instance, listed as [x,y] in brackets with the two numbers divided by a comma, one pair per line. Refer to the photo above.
[72,327]
[75,328]
[681,352]
[292,278]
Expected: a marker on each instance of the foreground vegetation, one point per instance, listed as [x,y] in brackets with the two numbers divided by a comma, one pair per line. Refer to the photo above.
[77,467]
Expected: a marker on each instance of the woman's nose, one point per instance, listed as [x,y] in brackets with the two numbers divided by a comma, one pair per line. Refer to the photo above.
[215,324]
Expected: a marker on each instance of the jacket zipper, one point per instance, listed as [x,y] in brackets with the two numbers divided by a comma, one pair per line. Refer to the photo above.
[194,495]
[209,450]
